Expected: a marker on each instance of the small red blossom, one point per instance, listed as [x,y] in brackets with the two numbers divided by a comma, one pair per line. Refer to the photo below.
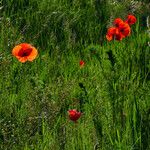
[74,115]
[131,20]
[81,63]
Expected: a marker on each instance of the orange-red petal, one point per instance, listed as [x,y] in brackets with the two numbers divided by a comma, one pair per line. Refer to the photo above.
[33,54]
[22,59]
[109,37]
[117,21]
[131,20]
[25,46]
[74,115]
[111,30]
[16,50]
[124,29]
[110,33]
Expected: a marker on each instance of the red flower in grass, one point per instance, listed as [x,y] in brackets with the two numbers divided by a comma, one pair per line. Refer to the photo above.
[121,31]
[118,21]
[131,20]
[81,63]
[25,52]
[74,115]
[119,36]
[113,33]
[124,29]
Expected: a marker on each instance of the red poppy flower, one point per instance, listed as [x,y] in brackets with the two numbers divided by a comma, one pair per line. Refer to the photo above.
[82,63]
[25,52]
[74,115]
[113,33]
[118,21]
[131,20]
[110,33]
[124,29]
[119,36]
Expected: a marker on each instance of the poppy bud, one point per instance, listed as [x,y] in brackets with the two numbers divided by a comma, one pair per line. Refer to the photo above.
[74,115]
[131,20]
[82,63]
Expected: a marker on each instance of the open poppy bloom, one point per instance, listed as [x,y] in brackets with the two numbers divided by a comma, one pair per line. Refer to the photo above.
[124,29]
[25,52]
[131,20]
[74,115]
[117,22]
[82,63]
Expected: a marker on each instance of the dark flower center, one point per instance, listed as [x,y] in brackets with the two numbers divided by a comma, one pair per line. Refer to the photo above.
[122,30]
[25,52]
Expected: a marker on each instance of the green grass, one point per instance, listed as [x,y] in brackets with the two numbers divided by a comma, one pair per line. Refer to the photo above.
[35,96]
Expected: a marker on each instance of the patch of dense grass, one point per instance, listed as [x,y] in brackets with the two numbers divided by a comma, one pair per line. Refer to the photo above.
[112,89]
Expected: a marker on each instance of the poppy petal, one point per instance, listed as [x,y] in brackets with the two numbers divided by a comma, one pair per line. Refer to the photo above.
[74,115]
[117,21]
[110,33]
[25,46]
[22,59]
[124,29]
[16,50]
[33,54]
[109,37]
[131,20]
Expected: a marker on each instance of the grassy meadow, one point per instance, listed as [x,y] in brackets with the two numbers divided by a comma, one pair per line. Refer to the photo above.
[112,89]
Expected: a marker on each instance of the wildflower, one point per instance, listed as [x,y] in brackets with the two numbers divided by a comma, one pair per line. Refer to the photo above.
[131,20]
[117,21]
[112,33]
[124,29]
[25,52]
[119,36]
[82,63]
[74,115]
[121,29]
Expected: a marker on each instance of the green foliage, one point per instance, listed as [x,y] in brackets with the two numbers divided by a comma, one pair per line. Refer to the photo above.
[111,90]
